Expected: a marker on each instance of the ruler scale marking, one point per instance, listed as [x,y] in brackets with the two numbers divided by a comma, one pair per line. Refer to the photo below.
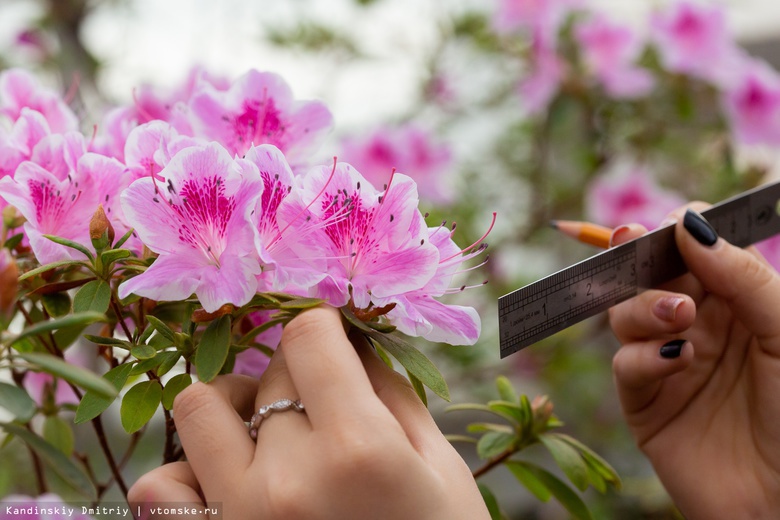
[591,286]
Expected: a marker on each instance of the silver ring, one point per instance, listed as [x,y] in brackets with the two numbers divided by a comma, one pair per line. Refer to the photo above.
[281,405]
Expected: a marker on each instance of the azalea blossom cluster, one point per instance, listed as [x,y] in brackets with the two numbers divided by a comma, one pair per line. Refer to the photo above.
[216,180]
[688,38]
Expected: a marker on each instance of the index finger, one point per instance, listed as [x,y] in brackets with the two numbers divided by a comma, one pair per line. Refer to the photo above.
[326,369]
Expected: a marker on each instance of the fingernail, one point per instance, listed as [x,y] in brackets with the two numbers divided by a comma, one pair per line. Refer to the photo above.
[620,230]
[672,349]
[699,228]
[666,308]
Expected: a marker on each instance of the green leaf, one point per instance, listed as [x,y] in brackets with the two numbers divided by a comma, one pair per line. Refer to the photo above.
[413,361]
[80,318]
[163,329]
[213,349]
[49,267]
[568,459]
[493,443]
[71,244]
[418,387]
[506,390]
[55,459]
[139,405]
[17,401]
[112,342]
[593,459]
[301,303]
[509,410]
[490,502]
[112,255]
[481,427]
[169,360]
[124,239]
[93,404]
[528,479]
[93,296]
[562,493]
[173,387]
[59,434]
[143,351]
[78,376]
[460,438]
[250,336]
[56,304]
[13,241]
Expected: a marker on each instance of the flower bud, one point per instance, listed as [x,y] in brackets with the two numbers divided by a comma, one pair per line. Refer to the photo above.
[11,218]
[100,229]
[542,409]
[9,280]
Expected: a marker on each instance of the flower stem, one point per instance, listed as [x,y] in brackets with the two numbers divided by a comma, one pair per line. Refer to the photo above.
[492,463]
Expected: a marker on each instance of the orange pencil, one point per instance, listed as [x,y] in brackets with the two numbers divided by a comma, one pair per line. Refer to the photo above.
[584,232]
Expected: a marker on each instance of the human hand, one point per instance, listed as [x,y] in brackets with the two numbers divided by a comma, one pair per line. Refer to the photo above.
[365,448]
[698,376]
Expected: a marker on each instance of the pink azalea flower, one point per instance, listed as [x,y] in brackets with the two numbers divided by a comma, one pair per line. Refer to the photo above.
[19,89]
[52,205]
[253,362]
[150,146]
[610,51]
[419,313]
[752,104]
[629,195]
[543,81]
[292,259]
[259,108]
[408,149]
[377,241]
[198,219]
[693,38]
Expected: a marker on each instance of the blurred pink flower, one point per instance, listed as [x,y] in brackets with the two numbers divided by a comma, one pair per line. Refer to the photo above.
[259,108]
[770,248]
[610,51]
[408,149]
[543,80]
[752,104]
[693,38]
[253,362]
[629,195]
[545,15]
[19,89]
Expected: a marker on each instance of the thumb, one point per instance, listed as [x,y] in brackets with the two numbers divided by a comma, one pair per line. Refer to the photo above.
[748,284]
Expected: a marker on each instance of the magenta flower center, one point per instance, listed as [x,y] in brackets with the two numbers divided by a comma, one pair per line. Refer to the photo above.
[351,234]
[205,212]
[259,122]
[49,204]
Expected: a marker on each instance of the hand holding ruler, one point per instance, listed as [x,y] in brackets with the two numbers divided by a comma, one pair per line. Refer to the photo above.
[587,288]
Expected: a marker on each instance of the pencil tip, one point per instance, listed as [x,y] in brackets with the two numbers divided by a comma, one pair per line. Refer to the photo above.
[554,224]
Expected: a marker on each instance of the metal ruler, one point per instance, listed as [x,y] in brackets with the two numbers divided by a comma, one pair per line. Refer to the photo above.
[587,288]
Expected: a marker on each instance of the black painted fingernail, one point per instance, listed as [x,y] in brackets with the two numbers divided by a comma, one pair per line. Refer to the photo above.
[672,349]
[699,228]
